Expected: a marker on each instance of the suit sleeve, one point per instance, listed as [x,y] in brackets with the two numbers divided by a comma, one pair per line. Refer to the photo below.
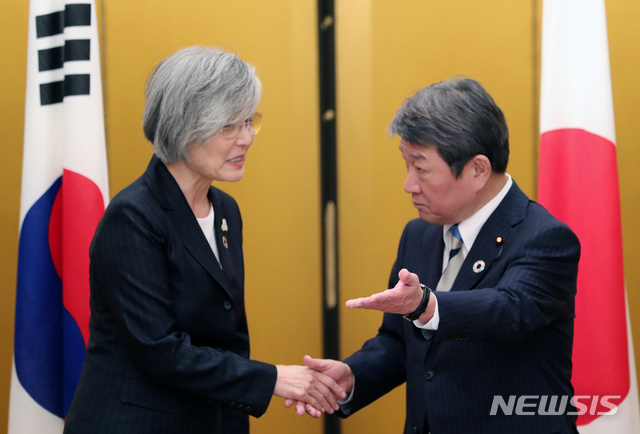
[536,288]
[129,268]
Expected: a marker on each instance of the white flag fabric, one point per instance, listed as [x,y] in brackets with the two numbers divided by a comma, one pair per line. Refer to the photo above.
[64,194]
[578,183]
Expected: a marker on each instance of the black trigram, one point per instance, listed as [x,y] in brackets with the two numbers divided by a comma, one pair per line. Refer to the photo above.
[73,49]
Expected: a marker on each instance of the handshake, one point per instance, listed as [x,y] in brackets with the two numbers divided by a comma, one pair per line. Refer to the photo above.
[317,387]
[314,388]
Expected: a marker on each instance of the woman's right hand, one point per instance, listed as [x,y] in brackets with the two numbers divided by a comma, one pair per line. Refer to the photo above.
[338,371]
[299,383]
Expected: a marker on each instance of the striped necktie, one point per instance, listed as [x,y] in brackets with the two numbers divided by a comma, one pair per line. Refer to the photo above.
[456,258]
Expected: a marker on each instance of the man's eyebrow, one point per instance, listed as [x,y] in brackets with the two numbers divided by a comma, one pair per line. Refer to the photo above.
[414,156]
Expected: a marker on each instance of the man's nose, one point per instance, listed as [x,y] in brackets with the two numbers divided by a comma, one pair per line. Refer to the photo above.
[410,184]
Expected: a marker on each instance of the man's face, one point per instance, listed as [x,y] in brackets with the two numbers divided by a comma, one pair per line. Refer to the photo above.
[439,196]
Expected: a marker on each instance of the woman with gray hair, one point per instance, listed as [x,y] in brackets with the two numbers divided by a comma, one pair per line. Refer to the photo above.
[169,346]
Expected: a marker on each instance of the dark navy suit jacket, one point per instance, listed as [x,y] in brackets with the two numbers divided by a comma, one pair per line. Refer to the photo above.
[169,346]
[507,330]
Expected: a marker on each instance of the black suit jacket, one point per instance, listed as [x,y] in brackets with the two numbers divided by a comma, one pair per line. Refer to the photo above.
[507,330]
[169,346]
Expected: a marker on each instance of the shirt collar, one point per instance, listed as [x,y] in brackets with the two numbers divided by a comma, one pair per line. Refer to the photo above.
[470,228]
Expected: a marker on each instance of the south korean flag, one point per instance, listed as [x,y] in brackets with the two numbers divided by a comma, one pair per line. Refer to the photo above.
[64,194]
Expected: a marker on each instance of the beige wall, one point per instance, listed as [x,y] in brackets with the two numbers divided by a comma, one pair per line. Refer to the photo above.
[385,51]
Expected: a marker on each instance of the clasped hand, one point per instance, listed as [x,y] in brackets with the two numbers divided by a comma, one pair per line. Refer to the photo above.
[311,388]
[338,372]
[334,378]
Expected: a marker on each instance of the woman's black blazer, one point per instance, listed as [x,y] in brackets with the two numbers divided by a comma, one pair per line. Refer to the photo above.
[169,346]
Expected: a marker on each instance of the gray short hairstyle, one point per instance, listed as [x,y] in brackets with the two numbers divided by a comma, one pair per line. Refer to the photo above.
[460,119]
[192,94]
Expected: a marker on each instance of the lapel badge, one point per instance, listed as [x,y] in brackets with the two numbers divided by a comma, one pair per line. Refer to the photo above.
[478,266]
[499,240]
[224,227]
[225,243]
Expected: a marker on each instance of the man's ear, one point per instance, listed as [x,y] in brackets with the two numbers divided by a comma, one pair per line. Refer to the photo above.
[481,169]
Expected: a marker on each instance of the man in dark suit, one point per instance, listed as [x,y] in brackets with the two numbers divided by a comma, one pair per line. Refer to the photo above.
[498,326]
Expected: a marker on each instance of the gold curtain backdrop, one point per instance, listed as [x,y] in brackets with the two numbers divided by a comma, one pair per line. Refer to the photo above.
[385,51]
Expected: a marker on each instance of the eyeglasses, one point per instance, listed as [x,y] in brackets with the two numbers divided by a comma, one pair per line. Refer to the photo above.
[253,125]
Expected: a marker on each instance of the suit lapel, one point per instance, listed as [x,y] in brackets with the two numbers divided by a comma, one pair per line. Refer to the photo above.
[486,249]
[222,234]
[170,198]
[433,244]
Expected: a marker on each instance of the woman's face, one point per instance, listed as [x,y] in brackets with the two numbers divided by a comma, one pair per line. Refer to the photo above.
[220,159]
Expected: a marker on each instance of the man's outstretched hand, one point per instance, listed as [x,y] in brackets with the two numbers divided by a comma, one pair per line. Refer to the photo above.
[403,298]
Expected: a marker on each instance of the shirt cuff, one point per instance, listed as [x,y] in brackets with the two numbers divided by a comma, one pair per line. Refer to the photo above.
[349,398]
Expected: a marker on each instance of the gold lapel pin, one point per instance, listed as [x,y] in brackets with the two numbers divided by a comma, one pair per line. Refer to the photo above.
[224,227]
[499,240]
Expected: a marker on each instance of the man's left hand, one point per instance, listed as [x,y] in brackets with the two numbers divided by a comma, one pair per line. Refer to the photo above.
[404,298]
